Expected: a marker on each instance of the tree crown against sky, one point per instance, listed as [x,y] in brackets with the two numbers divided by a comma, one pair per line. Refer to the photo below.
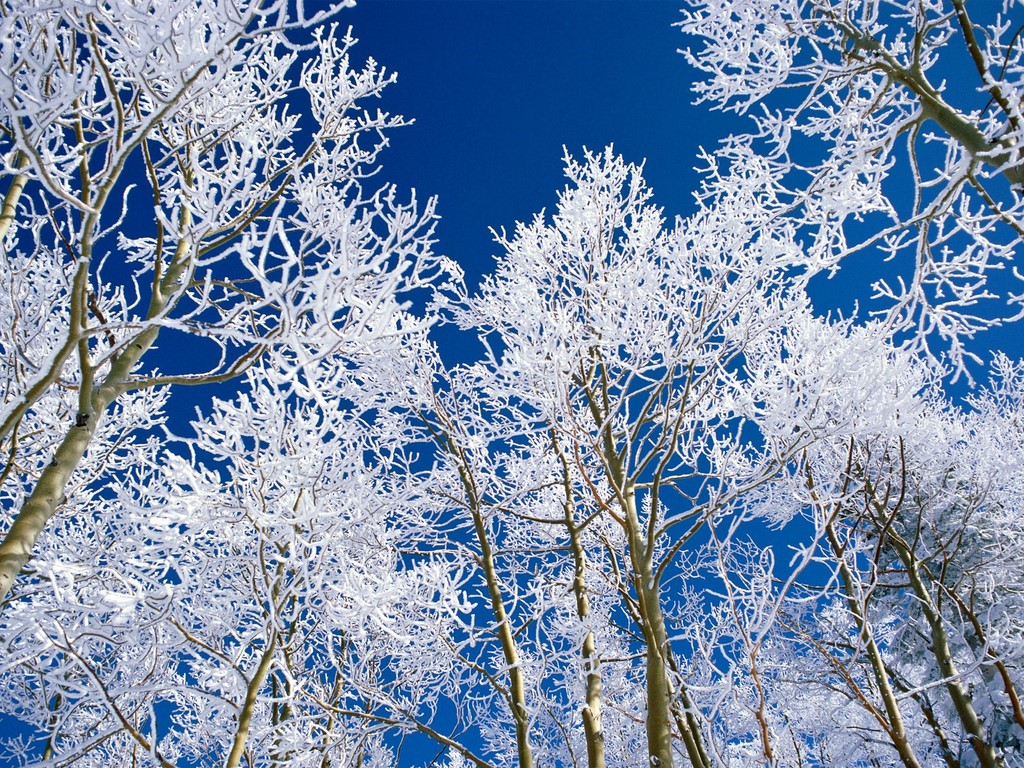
[670,511]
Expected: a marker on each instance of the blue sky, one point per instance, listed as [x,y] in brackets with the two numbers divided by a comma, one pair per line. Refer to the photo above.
[498,87]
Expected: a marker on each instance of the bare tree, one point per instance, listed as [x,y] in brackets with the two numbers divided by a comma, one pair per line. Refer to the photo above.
[159,185]
[891,128]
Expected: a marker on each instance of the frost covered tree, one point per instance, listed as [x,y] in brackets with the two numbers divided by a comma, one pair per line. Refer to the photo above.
[588,447]
[243,597]
[891,128]
[905,622]
[184,170]
[621,334]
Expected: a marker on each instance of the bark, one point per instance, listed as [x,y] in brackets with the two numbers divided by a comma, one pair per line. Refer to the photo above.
[591,662]
[10,203]
[48,495]
[659,686]
[686,722]
[251,694]
[660,695]
[509,647]
[934,107]
[943,654]
[896,729]
[45,499]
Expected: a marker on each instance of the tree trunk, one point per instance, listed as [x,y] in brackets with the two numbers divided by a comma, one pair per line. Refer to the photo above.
[659,686]
[591,662]
[48,495]
[896,729]
[943,654]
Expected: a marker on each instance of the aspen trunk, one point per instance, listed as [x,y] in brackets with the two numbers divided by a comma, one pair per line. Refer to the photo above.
[10,203]
[48,494]
[944,657]
[509,648]
[249,705]
[659,687]
[591,662]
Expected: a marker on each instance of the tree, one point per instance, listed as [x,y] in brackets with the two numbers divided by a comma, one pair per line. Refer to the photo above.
[239,597]
[593,440]
[263,235]
[903,139]
[904,493]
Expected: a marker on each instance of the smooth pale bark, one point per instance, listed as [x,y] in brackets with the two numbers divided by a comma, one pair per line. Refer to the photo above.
[10,205]
[588,651]
[686,722]
[661,698]
[77,301]
[1005,678]
[42,503]
[591,663]
[252,691]
[48,495]
[659,687]
[934,107]
[509,647]
[664,704]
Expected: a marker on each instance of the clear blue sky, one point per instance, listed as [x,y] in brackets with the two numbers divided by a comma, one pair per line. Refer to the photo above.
[497,87]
